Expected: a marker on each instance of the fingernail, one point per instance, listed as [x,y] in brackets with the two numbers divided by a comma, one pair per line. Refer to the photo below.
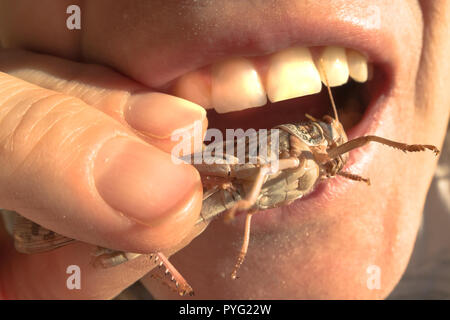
[158,115]
[141,181]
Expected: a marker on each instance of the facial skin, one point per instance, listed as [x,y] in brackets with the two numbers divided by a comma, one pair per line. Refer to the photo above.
[320,251]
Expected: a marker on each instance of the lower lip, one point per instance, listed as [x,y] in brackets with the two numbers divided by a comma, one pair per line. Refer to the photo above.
[331,189]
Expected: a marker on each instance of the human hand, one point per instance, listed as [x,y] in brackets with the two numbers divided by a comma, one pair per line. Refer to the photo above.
[83,154]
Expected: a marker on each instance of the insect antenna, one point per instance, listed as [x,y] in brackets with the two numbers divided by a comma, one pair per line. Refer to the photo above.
[310,117]
[322,71]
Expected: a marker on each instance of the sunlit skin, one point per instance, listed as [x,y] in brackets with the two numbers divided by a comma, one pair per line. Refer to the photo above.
[66,178]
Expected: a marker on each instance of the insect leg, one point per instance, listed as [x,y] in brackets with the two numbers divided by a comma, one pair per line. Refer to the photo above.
[108,258]
[352,176]
[361,141]
[244,247]
[181,285]
[251,198]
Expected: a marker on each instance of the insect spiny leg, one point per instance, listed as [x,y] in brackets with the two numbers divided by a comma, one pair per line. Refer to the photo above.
[361,141]
[421,147]
[181,285]
[354,177]
[244,247]
[238,264]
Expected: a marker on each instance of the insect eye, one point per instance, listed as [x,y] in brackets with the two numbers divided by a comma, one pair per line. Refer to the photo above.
[328,130]
[334,133]
[328,119]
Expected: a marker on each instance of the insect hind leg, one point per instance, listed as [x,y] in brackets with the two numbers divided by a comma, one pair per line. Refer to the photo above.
[244,246]
[252,197]
[361,141]
[250,200]
[354,177]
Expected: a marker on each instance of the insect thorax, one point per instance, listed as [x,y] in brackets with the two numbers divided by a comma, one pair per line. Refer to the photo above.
[308,132]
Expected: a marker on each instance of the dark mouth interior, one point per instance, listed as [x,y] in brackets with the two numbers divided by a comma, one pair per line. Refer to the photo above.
[352,100]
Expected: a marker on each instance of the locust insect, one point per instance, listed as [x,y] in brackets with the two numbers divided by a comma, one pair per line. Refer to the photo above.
[309,152]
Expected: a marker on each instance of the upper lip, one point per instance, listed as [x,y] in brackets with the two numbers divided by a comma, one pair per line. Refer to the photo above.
[255,34]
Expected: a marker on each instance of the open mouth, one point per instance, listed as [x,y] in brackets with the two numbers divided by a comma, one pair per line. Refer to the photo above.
[253,75]
[280,88]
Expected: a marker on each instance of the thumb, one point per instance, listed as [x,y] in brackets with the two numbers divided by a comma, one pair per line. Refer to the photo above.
[74,170]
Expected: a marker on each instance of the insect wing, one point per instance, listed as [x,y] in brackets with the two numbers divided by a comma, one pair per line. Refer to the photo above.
[29,237]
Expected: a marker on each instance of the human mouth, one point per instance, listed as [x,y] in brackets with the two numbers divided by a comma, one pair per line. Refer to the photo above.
[266,83]
[265,91]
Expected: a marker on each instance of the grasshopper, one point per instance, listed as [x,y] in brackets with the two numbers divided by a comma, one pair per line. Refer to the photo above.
[309,152]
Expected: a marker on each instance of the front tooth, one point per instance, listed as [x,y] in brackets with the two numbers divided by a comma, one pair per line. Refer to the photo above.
[236,86]
[193,87]
[357,65]
[335,66]
[292,74]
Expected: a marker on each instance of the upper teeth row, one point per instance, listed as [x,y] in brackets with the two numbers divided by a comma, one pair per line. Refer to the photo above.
[237,84]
